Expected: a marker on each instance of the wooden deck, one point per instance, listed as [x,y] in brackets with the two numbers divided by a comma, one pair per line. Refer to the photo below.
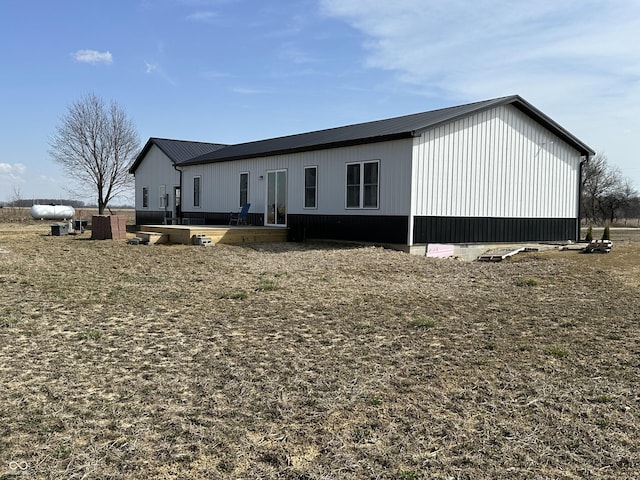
[185,234]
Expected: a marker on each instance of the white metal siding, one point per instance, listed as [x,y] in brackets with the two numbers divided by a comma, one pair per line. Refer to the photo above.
[156,169]
[221,181]
[498,163]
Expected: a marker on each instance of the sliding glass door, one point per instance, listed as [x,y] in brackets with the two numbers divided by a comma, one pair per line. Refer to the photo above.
[277,198]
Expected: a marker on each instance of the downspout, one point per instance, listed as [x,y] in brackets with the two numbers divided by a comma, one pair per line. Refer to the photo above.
[412,187]
[181,192]
[580,212]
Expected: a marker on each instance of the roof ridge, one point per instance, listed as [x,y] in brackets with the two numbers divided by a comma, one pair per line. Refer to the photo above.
[371,122]
[186,141]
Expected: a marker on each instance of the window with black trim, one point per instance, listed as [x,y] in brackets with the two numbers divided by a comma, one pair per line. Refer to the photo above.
[196,191]
[363,179]
[145,197]
[244,188]
[311,187]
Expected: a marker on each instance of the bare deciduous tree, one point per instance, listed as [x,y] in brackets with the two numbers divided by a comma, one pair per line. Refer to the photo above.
[605,192]
[95,144]
[16,199]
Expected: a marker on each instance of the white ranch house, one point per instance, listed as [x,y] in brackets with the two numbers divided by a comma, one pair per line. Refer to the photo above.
[493,171]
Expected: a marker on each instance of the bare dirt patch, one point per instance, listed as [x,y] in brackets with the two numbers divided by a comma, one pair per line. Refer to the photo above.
[314,361]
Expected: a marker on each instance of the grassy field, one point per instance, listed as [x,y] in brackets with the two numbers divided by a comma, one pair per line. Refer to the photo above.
[314,361]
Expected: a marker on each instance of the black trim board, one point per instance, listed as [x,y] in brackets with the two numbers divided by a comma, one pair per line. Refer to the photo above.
[490,229]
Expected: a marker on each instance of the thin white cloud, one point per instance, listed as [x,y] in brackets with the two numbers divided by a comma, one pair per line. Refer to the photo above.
[247,91]
[203,17]
[293,53]
[156,69]
[12,170]
[12,178]
[155,66]
[93,57]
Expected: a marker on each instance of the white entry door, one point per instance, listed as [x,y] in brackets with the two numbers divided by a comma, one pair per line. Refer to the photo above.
[277,198]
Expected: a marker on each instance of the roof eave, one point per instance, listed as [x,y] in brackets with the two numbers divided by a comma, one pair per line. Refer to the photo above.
[136,163]
[528,109]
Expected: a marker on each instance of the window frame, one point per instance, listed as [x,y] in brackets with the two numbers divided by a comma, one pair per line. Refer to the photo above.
[246,190]
[361,186]
[162,196]
[197,192]
[314,187]
[145,197]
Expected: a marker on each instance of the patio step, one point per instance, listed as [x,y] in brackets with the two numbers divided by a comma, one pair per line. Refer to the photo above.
[152,238]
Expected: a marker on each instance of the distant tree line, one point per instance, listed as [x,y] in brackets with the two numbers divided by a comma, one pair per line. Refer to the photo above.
[22,203]
[607,196]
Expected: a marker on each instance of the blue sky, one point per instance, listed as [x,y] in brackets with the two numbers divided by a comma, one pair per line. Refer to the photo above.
[230,71]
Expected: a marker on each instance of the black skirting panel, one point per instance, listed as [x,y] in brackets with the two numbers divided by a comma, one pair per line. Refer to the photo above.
[362,228]
[147,217]
[393,229]
[486,229]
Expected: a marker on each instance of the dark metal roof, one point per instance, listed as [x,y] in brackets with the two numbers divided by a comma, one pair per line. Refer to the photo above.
[193,153]
[379,131]
[178,151]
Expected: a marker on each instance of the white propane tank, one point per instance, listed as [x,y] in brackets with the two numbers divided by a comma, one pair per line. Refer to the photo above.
[52,212]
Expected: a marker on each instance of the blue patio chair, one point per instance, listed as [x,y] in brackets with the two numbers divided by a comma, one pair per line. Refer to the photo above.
[241,216]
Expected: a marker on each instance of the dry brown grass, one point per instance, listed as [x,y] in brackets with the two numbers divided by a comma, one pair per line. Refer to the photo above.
[314,362]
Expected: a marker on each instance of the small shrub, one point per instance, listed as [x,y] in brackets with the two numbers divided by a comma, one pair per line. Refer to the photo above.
[423,322]
[606,234]
[526,282]
[237,295]
[604,398]
[408,475]
[557,352]
[266,285]
[589,236]
[363,326]
[90,335]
